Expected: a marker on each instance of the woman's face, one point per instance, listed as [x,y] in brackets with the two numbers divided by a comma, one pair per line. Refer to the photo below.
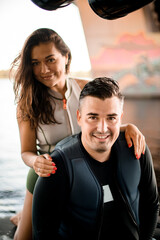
[49,65]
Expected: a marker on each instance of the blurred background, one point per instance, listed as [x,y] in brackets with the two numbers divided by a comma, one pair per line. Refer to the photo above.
[127,49]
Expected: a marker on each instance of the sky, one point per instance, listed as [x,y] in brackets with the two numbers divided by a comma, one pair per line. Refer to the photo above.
[19,18]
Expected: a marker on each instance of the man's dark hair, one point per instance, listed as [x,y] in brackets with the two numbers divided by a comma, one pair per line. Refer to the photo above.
[101,88]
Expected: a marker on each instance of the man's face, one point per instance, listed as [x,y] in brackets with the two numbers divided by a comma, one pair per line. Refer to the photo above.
[100,122]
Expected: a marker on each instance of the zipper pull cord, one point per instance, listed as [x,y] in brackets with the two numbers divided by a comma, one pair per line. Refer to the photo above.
[64,104]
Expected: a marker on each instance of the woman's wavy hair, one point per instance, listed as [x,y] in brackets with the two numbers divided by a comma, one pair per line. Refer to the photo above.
[32,97]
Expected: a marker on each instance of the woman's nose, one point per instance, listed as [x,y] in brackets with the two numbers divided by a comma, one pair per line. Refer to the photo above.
[44,68]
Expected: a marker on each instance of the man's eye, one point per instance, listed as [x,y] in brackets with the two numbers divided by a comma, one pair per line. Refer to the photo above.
[93,118]
[112,118]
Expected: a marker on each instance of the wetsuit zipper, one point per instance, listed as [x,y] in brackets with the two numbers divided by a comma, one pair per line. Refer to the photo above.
[64,103]
[67,115]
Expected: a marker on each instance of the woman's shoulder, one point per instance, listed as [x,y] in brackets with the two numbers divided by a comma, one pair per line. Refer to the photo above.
[81,82]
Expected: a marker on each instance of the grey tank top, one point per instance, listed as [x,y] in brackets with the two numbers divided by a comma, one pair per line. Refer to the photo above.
[48,135]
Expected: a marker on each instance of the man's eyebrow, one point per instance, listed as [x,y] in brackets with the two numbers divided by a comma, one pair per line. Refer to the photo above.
[96,114]
[92,114]
[113,114]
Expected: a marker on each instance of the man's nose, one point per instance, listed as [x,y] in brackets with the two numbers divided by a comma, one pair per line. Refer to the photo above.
[44,68]
[102,126]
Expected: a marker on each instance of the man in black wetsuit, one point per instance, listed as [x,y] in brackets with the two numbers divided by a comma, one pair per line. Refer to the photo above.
[100,190]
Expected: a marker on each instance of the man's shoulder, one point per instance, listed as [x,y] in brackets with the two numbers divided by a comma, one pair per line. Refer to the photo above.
[121,141]
[68,151]
[67,142]
[121,150]
[68,148]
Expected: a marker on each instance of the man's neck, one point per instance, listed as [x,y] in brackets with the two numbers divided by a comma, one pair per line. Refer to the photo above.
[100,156]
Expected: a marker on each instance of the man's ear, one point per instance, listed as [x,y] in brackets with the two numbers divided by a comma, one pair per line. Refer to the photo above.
[121,117]
[78,117]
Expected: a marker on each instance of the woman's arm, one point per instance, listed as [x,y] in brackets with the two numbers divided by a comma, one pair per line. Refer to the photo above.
[134,137]
[42,164]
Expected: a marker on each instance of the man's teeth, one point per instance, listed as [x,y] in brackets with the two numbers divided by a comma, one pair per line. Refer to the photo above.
[101,137]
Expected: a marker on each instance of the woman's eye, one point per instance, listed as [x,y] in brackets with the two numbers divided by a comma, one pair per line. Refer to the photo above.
[34,63]
[51,60]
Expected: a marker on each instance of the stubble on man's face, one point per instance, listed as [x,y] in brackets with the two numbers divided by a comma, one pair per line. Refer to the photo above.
[100,123]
